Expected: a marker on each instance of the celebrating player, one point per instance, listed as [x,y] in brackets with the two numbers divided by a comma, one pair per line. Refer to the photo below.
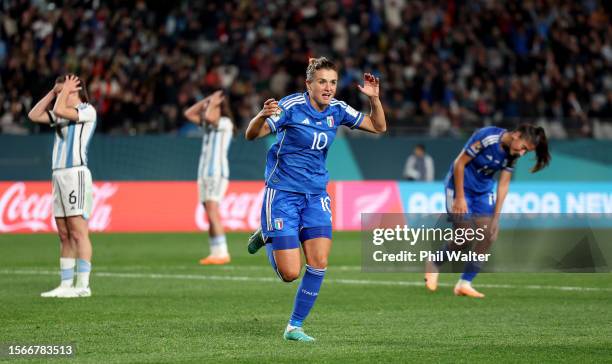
[214,115]
[469,189]
[296,207]
[74,120]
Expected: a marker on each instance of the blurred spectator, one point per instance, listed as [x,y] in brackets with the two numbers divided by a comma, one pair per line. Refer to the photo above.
[419,165]
[447,67]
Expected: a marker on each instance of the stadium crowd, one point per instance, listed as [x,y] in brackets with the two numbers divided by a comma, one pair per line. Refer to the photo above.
[447,67]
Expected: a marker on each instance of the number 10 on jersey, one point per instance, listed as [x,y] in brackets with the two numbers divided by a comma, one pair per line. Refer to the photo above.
[319,141]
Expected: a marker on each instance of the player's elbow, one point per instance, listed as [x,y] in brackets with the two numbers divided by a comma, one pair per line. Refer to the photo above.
[379,126]
[381,129]
[250,133]
[35,117]
[32,116]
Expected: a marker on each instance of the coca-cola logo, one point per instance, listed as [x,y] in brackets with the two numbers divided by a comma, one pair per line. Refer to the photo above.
[20,211]
[239,211]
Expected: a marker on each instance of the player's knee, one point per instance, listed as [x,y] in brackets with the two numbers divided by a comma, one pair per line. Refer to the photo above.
[79,237]
[289,275]
[64,238]
[318,262]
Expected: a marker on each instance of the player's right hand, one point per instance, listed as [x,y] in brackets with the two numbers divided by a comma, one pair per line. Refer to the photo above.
[460,206]
[270,107]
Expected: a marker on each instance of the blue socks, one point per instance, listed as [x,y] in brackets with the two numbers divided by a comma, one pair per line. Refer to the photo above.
[470,271]
[307,291]
[306,295]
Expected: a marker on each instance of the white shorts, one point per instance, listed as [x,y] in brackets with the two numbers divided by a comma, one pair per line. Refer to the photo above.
[212,189]
[72,192]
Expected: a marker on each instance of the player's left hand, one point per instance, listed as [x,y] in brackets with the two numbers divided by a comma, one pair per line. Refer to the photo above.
[72,83]
[371,85]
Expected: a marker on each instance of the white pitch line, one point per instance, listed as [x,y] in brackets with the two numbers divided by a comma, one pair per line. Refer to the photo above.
[332,280]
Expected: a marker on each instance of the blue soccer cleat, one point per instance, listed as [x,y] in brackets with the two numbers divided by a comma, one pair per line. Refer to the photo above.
[256,241]
[297,334]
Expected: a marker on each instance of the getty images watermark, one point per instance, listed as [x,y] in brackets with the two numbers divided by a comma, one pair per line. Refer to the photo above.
[413,236]
[502,243]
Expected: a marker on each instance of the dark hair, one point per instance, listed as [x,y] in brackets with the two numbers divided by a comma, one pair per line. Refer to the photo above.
[82,92]
[536,136]
[420,146]
[315,64]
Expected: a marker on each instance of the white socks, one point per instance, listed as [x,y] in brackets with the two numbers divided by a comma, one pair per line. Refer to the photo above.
[83,268]
[67,271]
[218,246]
[83,271]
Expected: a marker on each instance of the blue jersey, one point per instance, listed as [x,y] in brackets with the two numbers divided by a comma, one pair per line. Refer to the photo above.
[296,161]
[489,156]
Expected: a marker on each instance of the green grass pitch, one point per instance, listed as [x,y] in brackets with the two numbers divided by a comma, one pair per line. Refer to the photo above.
[153,303]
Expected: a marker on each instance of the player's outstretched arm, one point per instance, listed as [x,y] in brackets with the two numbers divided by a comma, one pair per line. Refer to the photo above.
[39,113]
[257,126]
[375,122]
[61,108]
[194,112]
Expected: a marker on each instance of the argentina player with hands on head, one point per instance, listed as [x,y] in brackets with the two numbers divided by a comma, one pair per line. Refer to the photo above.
[469,190]
[214,115]
[296,208]
[74,120]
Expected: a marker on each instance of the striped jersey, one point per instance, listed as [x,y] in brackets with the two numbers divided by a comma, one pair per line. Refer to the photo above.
[215,146]
[296,161]
[72,137]
[488,156]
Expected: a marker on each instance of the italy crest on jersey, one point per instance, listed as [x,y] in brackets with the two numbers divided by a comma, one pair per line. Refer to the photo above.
[278,224]
[330,121]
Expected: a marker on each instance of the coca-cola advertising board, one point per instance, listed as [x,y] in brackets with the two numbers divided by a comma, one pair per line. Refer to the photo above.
[131,207]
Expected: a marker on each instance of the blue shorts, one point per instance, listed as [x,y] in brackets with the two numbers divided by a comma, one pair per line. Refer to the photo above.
[477,204]
[288,218]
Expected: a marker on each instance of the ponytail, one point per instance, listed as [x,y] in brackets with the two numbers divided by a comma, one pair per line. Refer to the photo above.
[536,136]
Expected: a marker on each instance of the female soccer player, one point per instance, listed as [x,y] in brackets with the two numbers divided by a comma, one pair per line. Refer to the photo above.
[296,207]
[214,115]
[74,120]
[469,189]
